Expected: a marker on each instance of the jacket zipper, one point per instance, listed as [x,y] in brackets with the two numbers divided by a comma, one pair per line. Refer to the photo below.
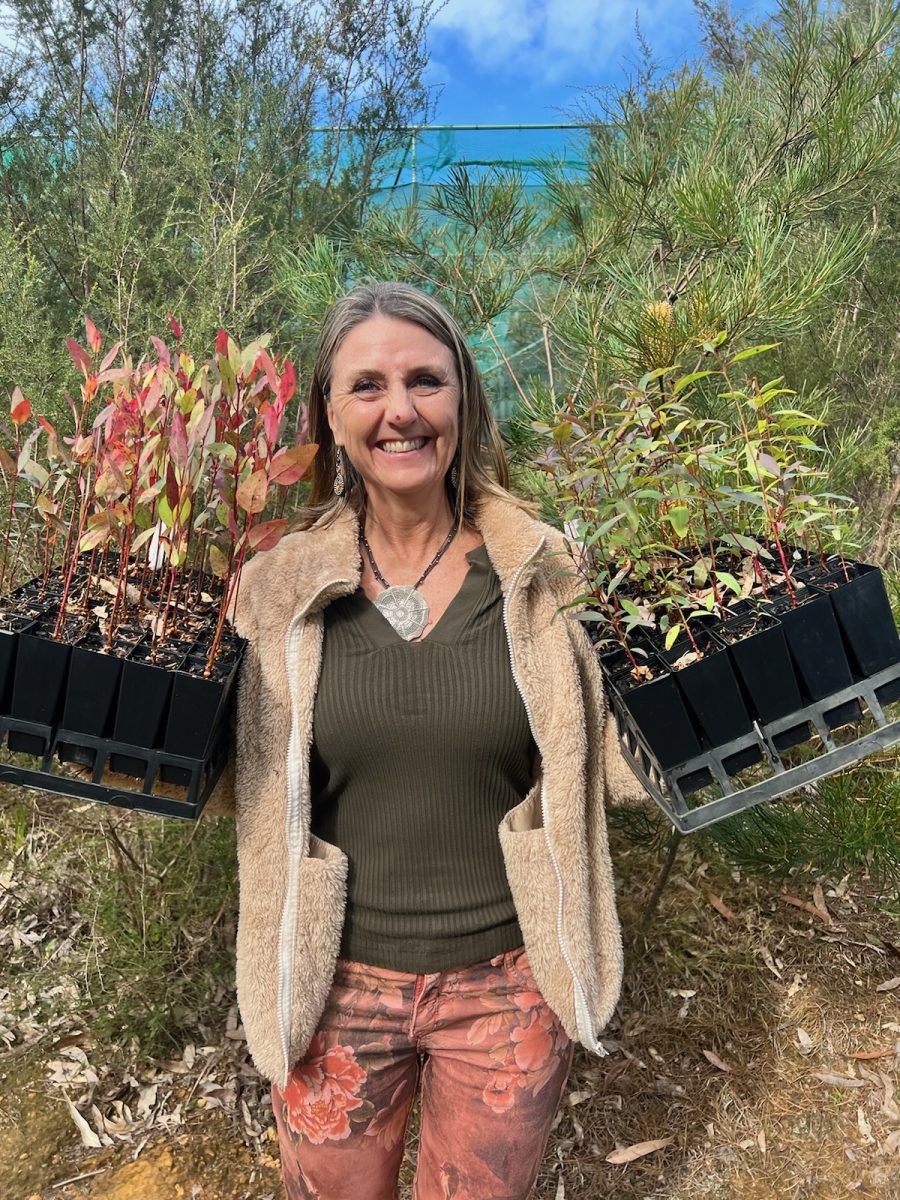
[294,832]
[584,1020]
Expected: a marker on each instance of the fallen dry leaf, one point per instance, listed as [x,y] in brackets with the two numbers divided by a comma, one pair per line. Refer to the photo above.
[796,984]
[720,906]
[865,1129]
[822,914]
[889,985]
[888,1104]
[638,1150]
[819,901]
[766,955]
[712,1057]
[89,1138]
[892,1142]
[882,1052]
[761,1140]
[806,1043]
[839,1080]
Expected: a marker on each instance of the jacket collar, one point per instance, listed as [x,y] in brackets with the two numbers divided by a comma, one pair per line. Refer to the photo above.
[308,570]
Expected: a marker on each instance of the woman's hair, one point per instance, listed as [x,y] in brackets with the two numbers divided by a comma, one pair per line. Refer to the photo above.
[482,463]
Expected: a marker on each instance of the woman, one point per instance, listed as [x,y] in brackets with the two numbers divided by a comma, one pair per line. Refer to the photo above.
[409,688]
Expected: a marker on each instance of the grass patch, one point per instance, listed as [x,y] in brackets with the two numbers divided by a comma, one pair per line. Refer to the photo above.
[122,920]
[847,822]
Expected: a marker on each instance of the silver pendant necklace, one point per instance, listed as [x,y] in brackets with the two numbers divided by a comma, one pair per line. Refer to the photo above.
[403,605]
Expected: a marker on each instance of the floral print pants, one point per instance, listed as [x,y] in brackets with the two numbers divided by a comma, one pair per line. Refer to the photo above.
[492,1058]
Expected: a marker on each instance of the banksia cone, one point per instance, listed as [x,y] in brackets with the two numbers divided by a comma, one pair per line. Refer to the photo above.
[659,335]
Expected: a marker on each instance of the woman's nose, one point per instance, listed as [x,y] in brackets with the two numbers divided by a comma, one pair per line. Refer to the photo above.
[401,405]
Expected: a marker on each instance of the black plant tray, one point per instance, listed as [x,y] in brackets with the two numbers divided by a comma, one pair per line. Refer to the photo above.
[178,745]
[149,795]
[670,787]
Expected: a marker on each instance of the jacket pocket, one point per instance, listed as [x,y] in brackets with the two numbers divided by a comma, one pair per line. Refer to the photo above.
[320,920]
[535,890]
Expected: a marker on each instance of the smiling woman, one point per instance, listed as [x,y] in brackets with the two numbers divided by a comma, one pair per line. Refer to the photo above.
[410,692]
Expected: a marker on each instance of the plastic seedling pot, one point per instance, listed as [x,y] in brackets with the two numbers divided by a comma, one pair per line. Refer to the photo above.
[713,694]
[615,660]
[659,710]
[41,670]
[9,644]
[817,650]
[141,712]
[864,615]
[90,702]
[762,661]
[195,717]
[740,608]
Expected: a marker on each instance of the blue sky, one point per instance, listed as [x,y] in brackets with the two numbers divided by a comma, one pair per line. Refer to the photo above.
[525,60]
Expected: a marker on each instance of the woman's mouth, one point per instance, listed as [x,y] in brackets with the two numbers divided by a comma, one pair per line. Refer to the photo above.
[402,447]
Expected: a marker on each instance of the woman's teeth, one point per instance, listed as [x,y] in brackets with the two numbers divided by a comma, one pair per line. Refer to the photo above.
[402,447]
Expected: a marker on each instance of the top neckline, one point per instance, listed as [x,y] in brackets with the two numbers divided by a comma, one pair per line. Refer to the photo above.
[478,583]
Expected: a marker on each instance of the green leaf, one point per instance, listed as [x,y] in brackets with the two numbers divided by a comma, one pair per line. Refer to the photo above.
[680,519]
[218,563]
[647,379]
[686,380]
[229,379]
[222,450]
[672,636]
[753,350]
[729,581]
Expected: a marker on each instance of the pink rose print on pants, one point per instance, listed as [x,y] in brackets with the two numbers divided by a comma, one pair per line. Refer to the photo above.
[322,1091]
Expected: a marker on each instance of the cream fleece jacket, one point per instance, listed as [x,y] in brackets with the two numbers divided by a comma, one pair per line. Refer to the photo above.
[554,843]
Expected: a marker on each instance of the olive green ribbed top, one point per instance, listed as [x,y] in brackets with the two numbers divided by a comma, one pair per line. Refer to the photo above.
[419,749]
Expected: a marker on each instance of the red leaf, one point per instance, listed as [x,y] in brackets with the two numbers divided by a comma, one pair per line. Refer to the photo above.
[20,409]
[267,535]
[251,494]
[8,464]
[290,465]
[222,343]
[172,489]
[288,383]
[109,357]
[79,356]
[174,326]
[264,362]
[272,423]
[46,425]
[95,341]
[178,444]
[162,350]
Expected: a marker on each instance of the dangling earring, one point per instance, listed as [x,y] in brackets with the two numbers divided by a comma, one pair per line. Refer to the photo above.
[339,473]
[454,471]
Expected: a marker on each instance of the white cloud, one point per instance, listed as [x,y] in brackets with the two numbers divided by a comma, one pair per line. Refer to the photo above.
[559,38]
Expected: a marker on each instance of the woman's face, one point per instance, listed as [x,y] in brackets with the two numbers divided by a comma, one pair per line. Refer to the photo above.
[394,407]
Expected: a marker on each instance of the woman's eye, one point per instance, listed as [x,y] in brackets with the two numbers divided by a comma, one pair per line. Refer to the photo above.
[428,381]
[364,385]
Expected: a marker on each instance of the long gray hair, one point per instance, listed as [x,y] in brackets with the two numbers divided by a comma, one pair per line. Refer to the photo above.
[482,463]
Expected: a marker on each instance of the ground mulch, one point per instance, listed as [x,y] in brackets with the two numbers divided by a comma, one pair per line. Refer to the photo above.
[755,1055]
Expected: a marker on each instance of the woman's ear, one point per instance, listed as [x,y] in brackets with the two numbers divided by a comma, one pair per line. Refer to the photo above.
[333,424]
